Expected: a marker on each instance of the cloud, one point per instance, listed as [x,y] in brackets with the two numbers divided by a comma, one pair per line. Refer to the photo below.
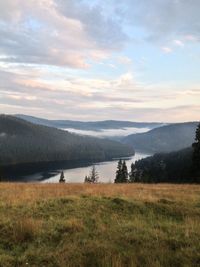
[166,49]
[101,28]
[71,33]
[53,32]
[178,43]
[50,50]
[79,98]
[165,19]
[125,60]
[191,38]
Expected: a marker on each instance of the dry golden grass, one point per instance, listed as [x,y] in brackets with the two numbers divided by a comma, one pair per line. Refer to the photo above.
[16,193]
[102,225]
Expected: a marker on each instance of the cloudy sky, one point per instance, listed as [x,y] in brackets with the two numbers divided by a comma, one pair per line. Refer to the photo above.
[133,60]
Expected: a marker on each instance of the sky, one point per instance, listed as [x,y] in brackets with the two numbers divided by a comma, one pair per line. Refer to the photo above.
[135,60]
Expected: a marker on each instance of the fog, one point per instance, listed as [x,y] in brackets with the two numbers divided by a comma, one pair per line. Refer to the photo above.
[109,132]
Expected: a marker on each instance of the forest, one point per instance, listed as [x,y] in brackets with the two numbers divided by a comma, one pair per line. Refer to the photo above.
[179,166]
[167,138]
[24,142]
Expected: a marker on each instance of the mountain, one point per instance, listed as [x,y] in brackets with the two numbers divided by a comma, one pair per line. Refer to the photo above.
[167,167]
[88,125]
[164,139]
[25,142]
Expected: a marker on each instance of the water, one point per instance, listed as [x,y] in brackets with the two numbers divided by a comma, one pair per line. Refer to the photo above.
[106,171]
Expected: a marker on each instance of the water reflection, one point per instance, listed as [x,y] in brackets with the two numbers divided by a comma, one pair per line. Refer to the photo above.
[106,171]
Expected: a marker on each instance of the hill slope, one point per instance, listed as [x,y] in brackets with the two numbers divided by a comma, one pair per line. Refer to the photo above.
[167,167]
[24,142]
[88,125]
[164,139]
[59,225]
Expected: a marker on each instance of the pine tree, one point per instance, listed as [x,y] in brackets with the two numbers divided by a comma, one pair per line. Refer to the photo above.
[133,173]
[87,179]
[62,178]
[119,175]
[94,176]
[124,172]
[196,154]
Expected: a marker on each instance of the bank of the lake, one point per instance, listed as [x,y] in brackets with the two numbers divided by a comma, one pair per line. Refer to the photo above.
[106,171]
[74,171]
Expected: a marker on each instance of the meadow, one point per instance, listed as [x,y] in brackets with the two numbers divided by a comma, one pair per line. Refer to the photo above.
[99,225]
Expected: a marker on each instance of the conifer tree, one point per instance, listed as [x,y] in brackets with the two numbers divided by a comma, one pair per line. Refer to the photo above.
[119,175]
[124,172]
[62,178]
[133,173]
[87,179]
[196,154]
[94,176]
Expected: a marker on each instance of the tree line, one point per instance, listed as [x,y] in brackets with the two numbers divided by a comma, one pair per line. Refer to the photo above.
[123,176]
[22,142]
[179,166]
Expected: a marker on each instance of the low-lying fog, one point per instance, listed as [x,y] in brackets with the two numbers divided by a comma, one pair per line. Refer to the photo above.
[109,132]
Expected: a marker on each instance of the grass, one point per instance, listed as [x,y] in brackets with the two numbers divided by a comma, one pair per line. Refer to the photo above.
[99,225]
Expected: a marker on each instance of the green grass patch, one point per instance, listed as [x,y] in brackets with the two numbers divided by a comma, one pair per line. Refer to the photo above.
[100,231]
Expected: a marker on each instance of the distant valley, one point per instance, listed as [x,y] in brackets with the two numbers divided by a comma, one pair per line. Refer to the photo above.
[25,142]
[167,138]
[111,129]
[148,137]
[31,144]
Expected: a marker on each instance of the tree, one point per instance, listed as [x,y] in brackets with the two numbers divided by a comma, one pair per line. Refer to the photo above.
[62,177]
[87,179]
[132,174]
[122,172]
[196,154]
[93,177]
[119,175]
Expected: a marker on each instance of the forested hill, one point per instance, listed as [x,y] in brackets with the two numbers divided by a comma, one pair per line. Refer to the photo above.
[164,139]
[89,125]
[24,142]
[170,167]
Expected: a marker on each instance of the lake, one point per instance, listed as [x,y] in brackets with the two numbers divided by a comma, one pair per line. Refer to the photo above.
[74,171]
[106,171]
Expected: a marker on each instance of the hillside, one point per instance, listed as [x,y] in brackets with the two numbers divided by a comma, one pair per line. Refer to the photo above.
[136,225]
[22,142]
[173,167]
[164,139]
[88,125]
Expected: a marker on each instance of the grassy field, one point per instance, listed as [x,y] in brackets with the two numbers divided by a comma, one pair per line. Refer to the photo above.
[99,225]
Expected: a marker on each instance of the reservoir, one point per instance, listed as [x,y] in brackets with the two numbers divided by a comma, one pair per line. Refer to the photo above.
[106,171]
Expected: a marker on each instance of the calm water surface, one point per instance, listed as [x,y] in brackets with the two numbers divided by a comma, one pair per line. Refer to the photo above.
[106,171]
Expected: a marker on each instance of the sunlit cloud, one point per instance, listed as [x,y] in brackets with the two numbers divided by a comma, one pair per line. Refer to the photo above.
[100,59]
[167,49]
[178,43]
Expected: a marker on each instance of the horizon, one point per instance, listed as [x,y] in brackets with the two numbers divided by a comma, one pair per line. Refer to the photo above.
[57,119]
[92,61]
